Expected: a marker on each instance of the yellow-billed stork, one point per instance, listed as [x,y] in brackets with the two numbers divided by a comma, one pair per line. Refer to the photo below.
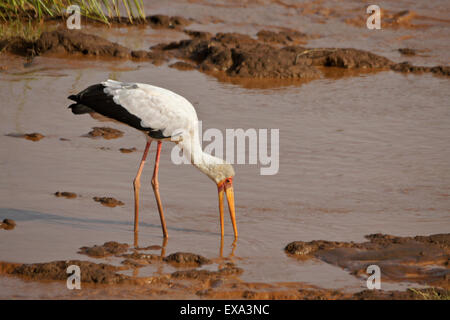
[161,115]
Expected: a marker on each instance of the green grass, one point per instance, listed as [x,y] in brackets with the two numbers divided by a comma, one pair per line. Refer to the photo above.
[99,10]
[26,30]
[432,294]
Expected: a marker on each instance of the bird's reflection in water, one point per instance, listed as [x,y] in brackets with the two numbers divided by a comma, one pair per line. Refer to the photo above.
[222,260]
[162,254]
[136,240]
[233,248]
[163,245]
[135,272]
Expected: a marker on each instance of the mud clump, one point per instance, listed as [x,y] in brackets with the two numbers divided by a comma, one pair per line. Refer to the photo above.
[275,55]
[57,270]
[105,250]
[308,249]
[203,35]
[137,259]
[206,275]
[8,224]
[347,58]
[65,194]
[183,66]
[242,56]
[420,259]
[127,150]
[282,37]
[178,259]
[155,56]
[35,136]
[139,54]
[407,67]
[74,41]
[108,201]
[18,45]
[407,51]
[65,41]
[133,263]
[105,133]
[182,259]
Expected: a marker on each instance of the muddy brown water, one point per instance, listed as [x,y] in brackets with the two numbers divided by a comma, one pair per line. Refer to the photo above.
[359,154]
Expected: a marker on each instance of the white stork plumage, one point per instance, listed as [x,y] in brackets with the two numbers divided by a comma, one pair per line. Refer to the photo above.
[161,115]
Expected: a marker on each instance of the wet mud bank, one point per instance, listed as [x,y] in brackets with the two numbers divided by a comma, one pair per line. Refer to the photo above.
[187,281]
[420,259]
[56,270]
[105,250]
[191,279]
[65,41]
[273,55]
[240,55]
[407,67]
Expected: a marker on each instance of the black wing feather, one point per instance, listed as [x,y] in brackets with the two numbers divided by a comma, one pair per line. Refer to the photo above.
[95,98]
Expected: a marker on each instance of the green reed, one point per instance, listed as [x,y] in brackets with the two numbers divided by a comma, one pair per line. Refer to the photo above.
[432,294]
[99,10]
[26,30]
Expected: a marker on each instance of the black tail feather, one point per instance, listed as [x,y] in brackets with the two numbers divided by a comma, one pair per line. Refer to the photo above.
[80,108]
[73,97]
[95,99]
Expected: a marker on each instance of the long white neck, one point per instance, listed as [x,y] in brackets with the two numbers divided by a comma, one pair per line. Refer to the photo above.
[206,163]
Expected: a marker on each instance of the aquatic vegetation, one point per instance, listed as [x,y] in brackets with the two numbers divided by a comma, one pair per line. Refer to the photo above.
[432,294]
[99,10]
[26,30]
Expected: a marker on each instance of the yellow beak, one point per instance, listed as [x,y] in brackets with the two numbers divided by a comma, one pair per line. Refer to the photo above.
[227,186]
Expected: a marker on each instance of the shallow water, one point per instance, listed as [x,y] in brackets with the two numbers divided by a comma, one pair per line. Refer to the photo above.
[358,155]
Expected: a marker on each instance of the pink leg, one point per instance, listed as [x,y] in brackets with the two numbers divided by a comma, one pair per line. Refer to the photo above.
[155,185]
[137,186]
